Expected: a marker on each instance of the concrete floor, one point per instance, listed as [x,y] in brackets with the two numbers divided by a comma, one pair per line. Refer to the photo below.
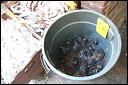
[117,75]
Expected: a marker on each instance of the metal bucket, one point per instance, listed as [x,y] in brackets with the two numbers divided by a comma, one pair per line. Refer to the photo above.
[79,22]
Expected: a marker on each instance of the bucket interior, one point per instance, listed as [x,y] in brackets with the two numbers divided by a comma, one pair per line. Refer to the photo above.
[71,31]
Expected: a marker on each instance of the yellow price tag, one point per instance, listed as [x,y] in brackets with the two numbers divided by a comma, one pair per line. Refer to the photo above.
[102,27]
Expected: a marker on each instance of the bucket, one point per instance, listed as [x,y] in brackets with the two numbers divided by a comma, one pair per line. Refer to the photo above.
[79,22]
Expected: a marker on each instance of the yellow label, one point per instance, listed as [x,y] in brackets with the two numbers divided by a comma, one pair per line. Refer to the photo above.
[102,27]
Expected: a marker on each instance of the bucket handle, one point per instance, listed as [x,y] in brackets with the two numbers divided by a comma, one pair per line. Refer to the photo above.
[45,66]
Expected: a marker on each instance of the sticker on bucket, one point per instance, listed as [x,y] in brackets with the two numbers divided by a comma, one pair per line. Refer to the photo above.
[102,27]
